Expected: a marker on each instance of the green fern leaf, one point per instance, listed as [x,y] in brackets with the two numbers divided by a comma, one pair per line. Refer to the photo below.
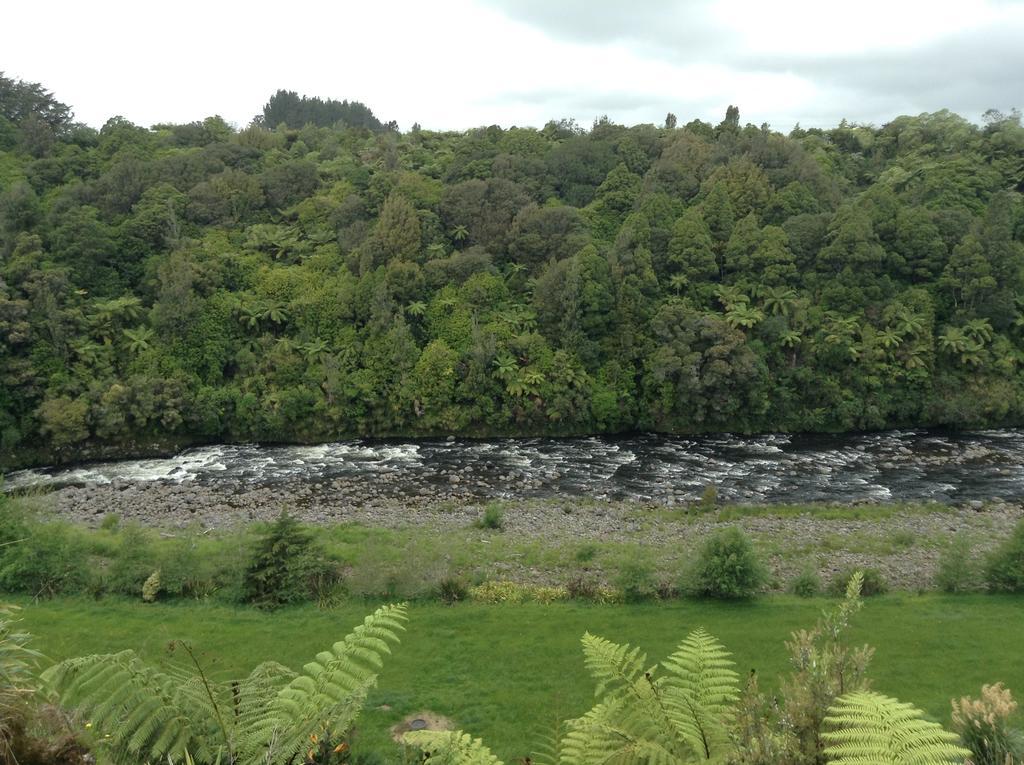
[700,692]
[871,729]
[450,748]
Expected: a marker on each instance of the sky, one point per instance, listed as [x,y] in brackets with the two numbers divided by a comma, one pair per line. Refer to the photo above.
[458,64]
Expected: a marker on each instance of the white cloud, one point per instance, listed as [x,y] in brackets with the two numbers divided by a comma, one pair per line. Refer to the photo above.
[462,63]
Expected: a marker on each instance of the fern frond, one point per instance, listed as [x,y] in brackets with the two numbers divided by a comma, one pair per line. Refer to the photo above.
[548,747]
[700,692]
[618,733]
[327,696]
[613,666]
[145,712]
[871,729]
[451,748]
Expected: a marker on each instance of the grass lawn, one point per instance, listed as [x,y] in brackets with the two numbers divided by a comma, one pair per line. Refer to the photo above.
[505,672]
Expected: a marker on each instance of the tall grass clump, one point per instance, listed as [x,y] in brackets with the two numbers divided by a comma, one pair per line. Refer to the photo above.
[1004,569]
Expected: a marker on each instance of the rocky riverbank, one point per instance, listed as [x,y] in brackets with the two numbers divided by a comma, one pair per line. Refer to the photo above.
[904,544]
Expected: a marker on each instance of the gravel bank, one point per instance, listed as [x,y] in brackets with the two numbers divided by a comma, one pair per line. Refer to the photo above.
[905,547]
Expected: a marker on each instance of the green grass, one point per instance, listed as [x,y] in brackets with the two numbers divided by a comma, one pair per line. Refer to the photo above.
[828,512]
[504,672]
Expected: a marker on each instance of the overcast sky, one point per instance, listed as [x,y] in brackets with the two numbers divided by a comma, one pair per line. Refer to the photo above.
[455,64]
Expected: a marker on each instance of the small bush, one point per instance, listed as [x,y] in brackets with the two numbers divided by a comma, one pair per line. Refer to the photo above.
[583,587]
[493,518]
[636,581]
[133,560]
[708,498]
[873,584]
[110,522]
[957,571]
[37,558]
[282,565]
[452,590]
[806,584]
[1004,569]
[726,567]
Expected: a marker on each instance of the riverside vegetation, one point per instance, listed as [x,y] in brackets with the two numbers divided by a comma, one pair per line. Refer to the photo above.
[460,552]
[318,274]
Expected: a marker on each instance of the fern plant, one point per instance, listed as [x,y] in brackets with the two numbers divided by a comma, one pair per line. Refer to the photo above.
[678,717]
[17,661]
[272,716]
[681,716]
[871,729]
[451,748]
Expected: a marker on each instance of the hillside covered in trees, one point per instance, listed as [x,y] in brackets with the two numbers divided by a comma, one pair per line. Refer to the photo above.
[318,275]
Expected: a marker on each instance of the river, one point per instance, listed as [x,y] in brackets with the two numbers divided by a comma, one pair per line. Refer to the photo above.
[892,465]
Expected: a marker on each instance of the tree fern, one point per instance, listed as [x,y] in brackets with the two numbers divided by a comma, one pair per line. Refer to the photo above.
[269,717]
[701,691]
[871,729]
[451,748]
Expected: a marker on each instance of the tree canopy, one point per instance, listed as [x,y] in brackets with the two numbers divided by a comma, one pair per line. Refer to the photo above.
[319,275]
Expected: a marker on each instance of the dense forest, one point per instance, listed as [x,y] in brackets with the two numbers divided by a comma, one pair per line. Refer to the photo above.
[319,274]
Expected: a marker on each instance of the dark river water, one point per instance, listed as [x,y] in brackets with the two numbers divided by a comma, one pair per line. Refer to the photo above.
[893,465]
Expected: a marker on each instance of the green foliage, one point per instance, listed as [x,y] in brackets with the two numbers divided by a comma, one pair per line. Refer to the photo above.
[320,275]
[17,665]
[636,581]
[282,565]
[452,590]
[450,748]
[726,567]
[493,517]
[806,584]
[709,498]
[38,558]
[872,582]
[1004,569]
[871,729]
[958,570]
[679,716]
[271,716]
[823,667]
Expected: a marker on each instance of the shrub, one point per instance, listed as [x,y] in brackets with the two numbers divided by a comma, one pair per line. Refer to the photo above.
[451,590]
[873,582]
[39,559]
[1004,569]
[982,725]
[282,565]
[807,584]
[957,571]
[493,518]
[583,587]
[709,498]
[636,581]
[726,567]
[133,560]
